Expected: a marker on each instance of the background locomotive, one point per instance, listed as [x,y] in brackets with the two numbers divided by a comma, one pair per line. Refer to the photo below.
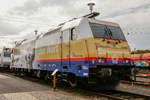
[5,57]
[141,60]
[84,50]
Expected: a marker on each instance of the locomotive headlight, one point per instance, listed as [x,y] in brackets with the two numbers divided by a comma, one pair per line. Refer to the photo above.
[127,60]
[93,61]
[100,60]
[104,60]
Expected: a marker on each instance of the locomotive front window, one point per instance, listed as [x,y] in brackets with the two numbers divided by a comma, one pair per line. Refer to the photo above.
[106,31]
[6,54]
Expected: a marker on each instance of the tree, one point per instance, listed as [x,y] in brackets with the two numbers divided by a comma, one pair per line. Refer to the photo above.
[140,51]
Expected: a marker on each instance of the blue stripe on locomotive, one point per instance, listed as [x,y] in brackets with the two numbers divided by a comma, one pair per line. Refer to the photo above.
[84,72]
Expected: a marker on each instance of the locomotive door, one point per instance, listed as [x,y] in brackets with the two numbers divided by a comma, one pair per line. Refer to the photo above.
[65,49]
[68,36]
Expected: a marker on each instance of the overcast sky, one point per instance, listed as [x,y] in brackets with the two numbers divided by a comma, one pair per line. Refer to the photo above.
[19,18]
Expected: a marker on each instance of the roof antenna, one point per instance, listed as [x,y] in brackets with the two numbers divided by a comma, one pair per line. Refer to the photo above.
[92,14]
[91,6]
[36,31]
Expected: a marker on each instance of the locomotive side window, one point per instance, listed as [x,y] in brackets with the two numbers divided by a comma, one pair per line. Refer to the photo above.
[73,34]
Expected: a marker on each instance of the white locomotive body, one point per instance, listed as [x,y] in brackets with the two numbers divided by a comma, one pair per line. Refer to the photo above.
[5,58]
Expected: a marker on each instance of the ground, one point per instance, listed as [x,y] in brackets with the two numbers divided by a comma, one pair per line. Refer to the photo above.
[15,88]
[26,88]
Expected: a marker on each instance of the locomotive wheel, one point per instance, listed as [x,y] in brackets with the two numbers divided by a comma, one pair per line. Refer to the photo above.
[72,80]
[46,77]
[73,84]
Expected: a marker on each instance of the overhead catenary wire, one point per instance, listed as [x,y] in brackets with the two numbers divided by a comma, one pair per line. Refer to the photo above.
[27,20]
[37,25]
[42,24]
[21,21]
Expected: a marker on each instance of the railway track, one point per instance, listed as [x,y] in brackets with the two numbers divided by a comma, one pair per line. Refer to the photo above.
[108,95]
[120,95]
[141,79]
[142,83]
[111,94]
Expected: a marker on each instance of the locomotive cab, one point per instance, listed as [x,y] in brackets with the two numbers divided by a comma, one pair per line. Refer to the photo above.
[110,51]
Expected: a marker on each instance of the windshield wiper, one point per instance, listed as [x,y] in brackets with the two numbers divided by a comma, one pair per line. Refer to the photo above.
[108,32]
[105,33]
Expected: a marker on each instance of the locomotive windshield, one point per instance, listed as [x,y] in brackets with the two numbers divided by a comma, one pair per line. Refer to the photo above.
[6,54]
[107,31]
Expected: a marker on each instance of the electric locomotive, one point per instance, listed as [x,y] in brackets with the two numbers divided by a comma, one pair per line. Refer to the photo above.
[5,57]
[142,62]
[84,50]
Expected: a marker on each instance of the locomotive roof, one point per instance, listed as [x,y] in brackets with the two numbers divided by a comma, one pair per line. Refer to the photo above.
[71,24]
[51,31]
[27,41]
[75,22]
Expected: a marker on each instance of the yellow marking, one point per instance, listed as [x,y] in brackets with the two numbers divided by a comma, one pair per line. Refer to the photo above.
[98,47]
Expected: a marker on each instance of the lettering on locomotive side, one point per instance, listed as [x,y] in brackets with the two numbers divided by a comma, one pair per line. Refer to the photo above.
[52,49]
[76,55]
[41,51]
[104,46]
[104,51]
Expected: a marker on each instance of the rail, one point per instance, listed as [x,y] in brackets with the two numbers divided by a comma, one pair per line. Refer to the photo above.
[121,95]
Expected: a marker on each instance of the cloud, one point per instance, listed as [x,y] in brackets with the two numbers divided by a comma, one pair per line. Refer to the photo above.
[8,29]
[78,8]
[137,24]
[29,7]
[66,7]
[144,7]
[132,15]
